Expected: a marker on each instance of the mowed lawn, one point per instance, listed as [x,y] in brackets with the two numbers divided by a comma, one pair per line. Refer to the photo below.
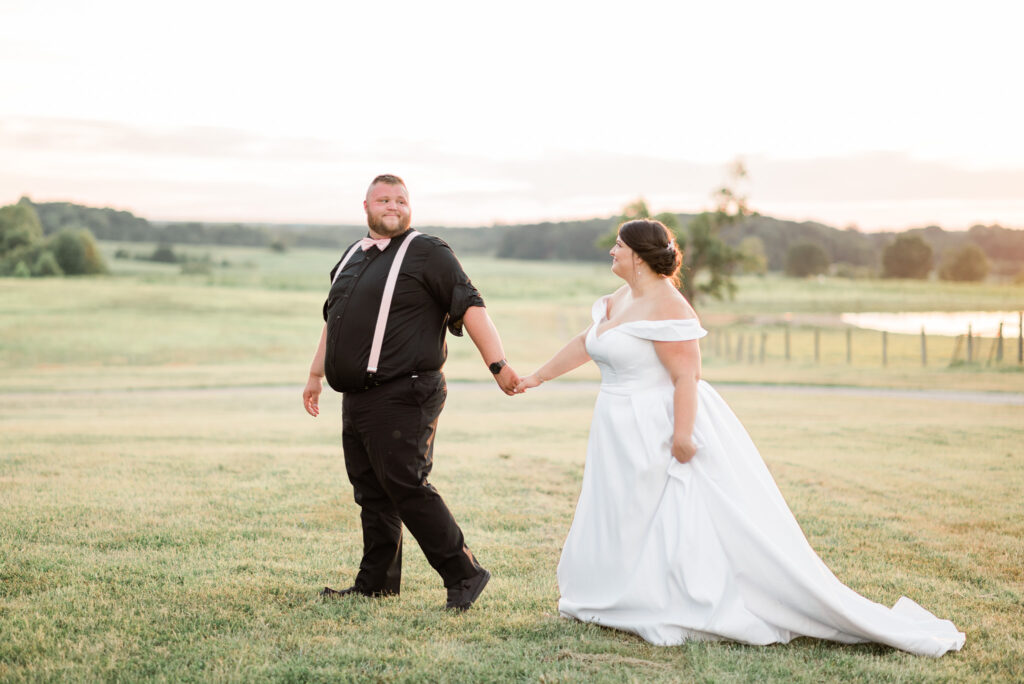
[169,512]
[183,534]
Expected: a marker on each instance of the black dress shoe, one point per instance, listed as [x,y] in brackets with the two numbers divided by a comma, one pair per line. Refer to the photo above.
[462,595]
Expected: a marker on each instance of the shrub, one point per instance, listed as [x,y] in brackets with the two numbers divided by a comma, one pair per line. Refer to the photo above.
[964,264]
[806,259]
[46,265]
[77,253]
[908,256]
[164,253]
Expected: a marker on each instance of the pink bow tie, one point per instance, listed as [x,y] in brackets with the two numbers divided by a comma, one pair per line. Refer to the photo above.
[367,242]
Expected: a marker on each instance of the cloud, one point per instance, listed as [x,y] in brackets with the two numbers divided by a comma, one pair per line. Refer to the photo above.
[73,136]
[881,176]
[228,174]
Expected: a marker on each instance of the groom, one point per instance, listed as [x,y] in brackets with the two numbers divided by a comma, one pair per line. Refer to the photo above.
[392,296]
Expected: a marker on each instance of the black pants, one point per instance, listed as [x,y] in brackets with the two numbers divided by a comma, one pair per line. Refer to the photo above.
[388,437]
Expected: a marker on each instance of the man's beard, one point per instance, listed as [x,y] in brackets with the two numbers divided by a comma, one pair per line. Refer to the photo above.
[380,228]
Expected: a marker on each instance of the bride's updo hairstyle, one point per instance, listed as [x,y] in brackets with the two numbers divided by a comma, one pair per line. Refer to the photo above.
[654,243]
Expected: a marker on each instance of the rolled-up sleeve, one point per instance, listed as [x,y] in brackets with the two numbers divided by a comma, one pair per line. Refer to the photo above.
[450,286]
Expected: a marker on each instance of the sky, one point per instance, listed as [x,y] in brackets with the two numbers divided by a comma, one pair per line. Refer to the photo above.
[879,115]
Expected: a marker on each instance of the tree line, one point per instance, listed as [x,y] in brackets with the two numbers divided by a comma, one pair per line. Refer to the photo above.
[27,250]
[768,244]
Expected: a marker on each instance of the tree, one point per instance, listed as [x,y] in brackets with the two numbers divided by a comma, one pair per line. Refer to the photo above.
[76,252]
[705,251]
[708,261]
[806,259]
[908,256]
[964,264]
[19,227]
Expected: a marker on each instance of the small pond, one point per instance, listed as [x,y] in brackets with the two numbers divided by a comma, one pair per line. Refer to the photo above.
[985,323]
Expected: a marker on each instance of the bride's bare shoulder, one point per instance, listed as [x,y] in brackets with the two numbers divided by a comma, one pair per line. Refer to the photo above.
[675,307]
[620,293]
[615,299]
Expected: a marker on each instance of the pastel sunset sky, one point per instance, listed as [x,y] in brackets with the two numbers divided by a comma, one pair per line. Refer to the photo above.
[883,115]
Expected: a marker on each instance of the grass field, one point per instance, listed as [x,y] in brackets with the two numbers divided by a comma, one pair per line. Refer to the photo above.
[169,512]
[183,534]
[256,323]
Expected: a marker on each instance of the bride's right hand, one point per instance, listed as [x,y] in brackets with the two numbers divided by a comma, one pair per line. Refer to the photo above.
[684,449]
[529,382]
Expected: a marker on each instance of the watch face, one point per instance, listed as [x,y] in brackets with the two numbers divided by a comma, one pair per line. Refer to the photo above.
[497,366]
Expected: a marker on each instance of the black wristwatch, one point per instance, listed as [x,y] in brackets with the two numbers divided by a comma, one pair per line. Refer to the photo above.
[497,366]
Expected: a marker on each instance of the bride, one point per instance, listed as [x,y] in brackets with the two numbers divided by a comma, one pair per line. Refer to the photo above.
[680,532]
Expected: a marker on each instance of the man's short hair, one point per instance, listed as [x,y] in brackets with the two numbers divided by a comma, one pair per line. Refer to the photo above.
[388,179]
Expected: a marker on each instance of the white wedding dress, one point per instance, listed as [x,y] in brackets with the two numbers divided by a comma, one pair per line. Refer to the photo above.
[707,549]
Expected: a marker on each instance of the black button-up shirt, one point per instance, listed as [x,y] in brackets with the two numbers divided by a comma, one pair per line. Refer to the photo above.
[432,292]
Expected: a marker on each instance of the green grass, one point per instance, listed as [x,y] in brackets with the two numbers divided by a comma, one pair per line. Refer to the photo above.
[258,324]
[154,531]
[183,534]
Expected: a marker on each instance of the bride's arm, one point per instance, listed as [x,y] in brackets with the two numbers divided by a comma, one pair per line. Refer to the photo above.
[572,355]
[682,359]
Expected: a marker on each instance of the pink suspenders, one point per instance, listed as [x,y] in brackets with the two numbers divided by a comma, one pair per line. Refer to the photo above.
[341,266]
[385,303]
[385,300]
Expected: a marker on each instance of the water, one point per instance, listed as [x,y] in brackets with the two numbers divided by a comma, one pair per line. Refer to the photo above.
[984,323]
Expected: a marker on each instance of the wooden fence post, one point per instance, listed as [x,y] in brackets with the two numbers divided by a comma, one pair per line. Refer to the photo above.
[849,346]
[999,344]
[956,350]
[885,348]
[739,347]
[970,344]
[787,342]
[924,348]
[764,339]
[750,348]
[1020,337]
[817,345]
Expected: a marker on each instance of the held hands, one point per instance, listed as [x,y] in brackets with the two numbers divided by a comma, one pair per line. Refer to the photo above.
[529,382]
[684,448]
[507,380]
[311,395]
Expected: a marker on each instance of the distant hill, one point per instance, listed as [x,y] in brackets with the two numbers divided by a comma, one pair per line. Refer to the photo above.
[564,240]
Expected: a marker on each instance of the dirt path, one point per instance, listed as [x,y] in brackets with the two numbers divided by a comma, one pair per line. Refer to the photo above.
[971,397]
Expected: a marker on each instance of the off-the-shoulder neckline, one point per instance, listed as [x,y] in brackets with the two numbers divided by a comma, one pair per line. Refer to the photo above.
[598,335]
[684,321]
[604,317]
